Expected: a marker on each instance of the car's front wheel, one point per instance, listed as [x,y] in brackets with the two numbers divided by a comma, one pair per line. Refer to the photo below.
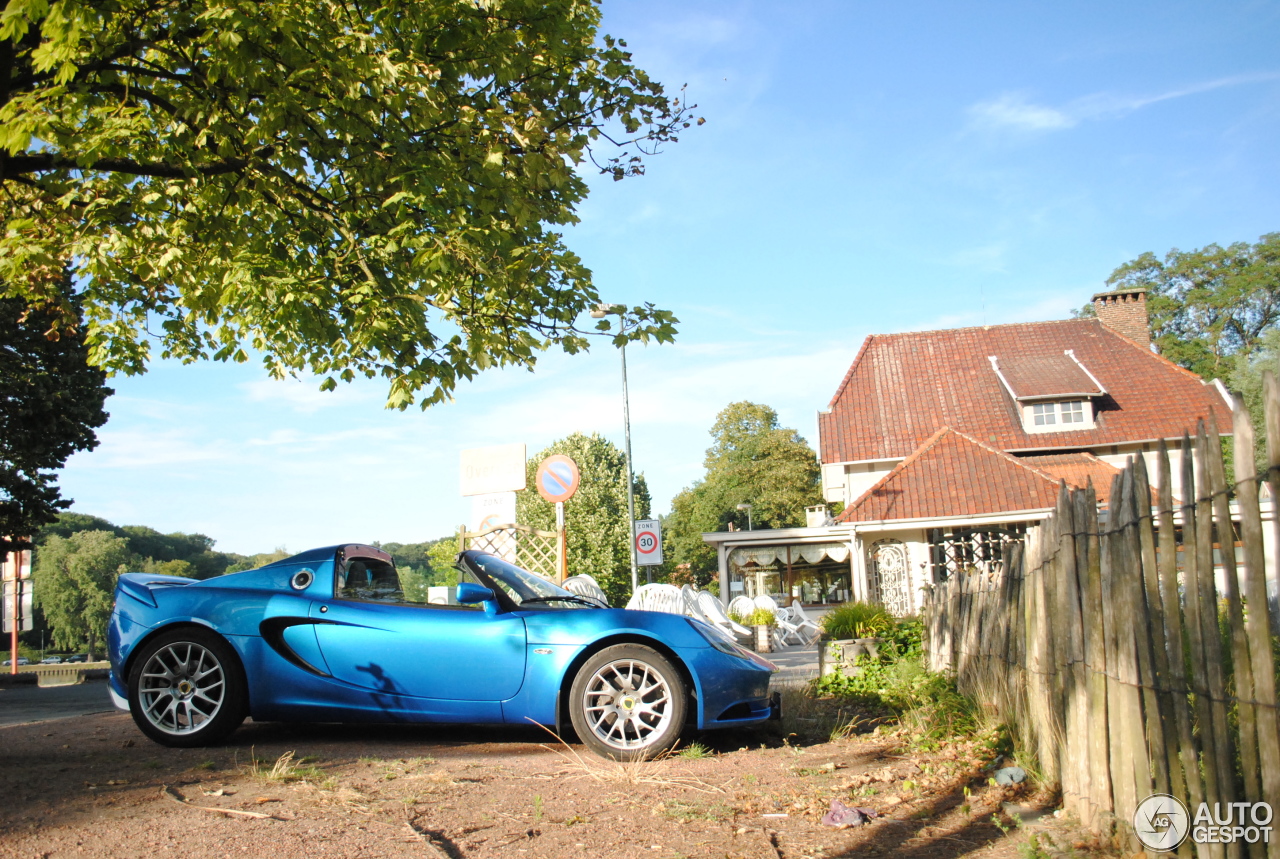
[628,702]
[186,689]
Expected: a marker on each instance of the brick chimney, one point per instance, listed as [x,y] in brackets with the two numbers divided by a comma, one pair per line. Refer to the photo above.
[1125,312]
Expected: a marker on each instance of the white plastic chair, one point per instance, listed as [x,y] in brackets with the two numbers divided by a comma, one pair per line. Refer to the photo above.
[585,586]
[657,597]
[785,629]
[715,614]
[742,606]
[806,627]
[691,607]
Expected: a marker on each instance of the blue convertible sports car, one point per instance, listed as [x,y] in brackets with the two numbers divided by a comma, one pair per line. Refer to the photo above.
[330,635]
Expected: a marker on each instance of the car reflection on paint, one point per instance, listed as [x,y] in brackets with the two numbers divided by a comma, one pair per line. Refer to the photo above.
[334,635]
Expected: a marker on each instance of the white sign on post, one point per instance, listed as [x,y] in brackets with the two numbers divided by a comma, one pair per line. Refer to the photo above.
[495,508]
[648,542]
[491,510]
[16,565]
[493,469]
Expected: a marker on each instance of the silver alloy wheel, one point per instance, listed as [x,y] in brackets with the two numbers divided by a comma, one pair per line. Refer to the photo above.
[182,687]
[628,704]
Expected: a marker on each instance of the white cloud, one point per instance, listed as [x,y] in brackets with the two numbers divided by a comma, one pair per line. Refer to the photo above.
[141,448]
[304,395]
[1014,112]
[999,311]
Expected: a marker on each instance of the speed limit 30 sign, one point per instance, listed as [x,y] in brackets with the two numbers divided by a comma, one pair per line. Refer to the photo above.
[648,542]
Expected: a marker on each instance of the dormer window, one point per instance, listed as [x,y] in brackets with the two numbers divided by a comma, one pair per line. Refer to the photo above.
[1054,414]
[1053,393]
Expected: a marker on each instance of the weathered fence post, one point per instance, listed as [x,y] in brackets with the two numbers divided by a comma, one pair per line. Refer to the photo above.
[1254,587]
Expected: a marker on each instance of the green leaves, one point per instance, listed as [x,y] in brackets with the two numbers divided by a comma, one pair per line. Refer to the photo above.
[367,187]
[1209,304]
[75,579]
[752,460]
[52,403]
[599,538]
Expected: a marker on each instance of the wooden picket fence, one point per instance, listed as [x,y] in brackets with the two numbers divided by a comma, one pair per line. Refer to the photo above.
[1125,670]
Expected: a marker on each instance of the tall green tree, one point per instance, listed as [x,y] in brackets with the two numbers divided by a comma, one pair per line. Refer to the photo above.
[599,537]
[752,460]
[347,188]
[171,554]
[1211,304]
[51,401]
[1246,379]
[75,579]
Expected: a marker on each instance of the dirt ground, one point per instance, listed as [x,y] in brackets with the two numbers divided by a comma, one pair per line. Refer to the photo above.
[94,786]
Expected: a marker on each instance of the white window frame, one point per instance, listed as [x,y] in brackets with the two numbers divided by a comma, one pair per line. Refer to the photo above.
[1052,416]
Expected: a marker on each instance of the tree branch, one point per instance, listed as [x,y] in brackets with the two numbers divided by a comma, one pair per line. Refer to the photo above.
[14,166]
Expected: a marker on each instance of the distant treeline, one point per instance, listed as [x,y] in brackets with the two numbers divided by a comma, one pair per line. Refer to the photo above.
[193,555]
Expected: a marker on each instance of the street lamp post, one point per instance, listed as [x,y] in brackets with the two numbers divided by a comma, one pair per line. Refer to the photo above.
[747,507]
[600,312]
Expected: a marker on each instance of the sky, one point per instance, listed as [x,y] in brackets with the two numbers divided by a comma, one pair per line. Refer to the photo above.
[864,168]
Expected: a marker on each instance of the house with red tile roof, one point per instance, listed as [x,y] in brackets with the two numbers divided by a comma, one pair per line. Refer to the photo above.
[940,447]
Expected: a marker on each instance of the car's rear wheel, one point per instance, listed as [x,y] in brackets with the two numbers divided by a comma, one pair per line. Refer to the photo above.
[628,702]
[186,689]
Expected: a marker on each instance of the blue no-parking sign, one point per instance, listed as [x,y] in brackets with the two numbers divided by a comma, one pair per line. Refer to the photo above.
[557,478]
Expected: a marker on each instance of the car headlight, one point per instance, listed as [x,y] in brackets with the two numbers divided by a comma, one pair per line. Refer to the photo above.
[718,639]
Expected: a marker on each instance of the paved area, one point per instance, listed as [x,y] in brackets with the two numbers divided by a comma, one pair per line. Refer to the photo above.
[20,704]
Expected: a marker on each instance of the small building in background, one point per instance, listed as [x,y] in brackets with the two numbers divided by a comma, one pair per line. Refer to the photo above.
[942,446]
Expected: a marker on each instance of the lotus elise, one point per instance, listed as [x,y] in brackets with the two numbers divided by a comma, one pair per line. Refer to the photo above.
[333,635]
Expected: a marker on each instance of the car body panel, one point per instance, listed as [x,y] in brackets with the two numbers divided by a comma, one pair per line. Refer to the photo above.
[309,655]
[423,651]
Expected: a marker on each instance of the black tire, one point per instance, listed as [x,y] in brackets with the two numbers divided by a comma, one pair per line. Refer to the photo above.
[186,688]
[628,702]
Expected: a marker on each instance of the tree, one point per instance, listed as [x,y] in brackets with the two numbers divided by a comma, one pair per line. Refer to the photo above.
[599,538]
[1208,305]
[170,554]
[752,460]
[424,565]
[346,188]
[50,404]
[1246,379]
[75,580]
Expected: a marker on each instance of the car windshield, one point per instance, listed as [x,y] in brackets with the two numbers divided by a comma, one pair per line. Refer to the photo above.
[526,588]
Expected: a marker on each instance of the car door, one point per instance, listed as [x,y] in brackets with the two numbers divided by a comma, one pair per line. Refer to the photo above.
[450,652]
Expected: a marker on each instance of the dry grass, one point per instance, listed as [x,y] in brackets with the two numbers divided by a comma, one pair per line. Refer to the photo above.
[652,771]
[285,769]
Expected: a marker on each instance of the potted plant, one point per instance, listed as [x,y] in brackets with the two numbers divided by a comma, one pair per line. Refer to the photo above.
[762,621]
[856,629]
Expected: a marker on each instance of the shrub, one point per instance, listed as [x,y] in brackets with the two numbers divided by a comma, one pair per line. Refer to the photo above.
[927,704]
[757,617]
[857,620]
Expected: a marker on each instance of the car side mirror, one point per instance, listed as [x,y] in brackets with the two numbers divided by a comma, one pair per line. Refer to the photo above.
[469,593]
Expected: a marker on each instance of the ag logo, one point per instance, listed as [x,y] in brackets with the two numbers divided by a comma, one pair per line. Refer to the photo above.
[1161,822]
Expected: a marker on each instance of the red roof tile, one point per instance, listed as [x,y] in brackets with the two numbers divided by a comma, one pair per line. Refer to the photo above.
[902,388]
[1045,376]
[954,475]
[1077,469]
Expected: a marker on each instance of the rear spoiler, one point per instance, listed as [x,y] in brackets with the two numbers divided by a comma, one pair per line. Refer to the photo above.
[139,585]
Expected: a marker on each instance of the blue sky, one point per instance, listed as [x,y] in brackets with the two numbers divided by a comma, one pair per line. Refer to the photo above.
[864,168]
